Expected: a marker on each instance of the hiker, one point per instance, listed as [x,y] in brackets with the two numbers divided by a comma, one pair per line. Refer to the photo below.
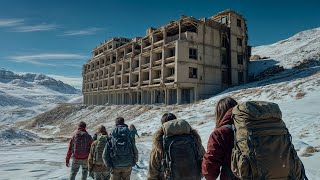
[220,143]
[79,148]
[177,151]
[134,132]
[120,153]
[97,169]
[95,136]
[263,148]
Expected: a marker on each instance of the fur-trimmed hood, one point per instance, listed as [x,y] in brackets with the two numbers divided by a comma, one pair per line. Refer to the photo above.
[174,127]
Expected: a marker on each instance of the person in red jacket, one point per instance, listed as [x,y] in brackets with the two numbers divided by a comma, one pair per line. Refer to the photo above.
[220,144]
[79,148]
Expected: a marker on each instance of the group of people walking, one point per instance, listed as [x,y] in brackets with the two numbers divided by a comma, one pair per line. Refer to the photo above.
[249,141]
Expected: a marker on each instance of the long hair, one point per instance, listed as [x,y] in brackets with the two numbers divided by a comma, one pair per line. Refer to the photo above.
[102,130]
[222,107]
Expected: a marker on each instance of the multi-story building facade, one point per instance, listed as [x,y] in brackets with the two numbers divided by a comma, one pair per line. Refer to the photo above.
[184,61]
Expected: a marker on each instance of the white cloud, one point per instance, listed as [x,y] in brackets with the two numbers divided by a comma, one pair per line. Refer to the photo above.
[40,59]
[33,28]
[10,22]
[73,81]
[81,32]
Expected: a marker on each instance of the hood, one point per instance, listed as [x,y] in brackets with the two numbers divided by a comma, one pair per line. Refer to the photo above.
[176,127]
[226,119]
[181,126]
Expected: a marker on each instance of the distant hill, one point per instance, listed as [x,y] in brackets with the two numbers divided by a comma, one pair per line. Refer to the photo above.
[24,95]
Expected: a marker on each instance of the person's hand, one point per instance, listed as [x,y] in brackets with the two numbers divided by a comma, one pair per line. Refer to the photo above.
[67,162]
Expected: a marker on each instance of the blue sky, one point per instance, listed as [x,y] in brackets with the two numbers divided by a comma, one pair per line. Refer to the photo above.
[56,37]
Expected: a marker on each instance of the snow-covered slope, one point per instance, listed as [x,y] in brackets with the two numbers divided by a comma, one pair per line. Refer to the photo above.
[287,53]
[25,95]
[296,90]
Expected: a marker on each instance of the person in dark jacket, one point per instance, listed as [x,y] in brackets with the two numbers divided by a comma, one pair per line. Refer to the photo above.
[220,144]
[134,132]
[80,139]
[120,170]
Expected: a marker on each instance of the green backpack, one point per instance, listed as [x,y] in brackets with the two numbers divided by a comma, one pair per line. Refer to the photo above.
[98,149]
[263,148]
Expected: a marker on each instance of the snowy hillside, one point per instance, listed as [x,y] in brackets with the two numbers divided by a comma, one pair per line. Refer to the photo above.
[289,52]
[25,95]
[296,89]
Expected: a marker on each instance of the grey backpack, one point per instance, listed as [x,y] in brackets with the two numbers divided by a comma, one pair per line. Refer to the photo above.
[121,150]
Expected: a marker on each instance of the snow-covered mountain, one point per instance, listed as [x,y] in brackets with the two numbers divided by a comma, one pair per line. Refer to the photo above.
[28,80]
[304,46]
[24,95]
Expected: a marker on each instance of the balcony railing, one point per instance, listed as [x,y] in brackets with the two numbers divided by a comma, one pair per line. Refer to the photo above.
[170,77]
[156,80]
[145,82]
[157,62]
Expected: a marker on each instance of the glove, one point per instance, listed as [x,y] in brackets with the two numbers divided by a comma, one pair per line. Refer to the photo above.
[67,162]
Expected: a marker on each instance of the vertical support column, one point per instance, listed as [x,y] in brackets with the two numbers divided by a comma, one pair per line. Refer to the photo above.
[178,96]
[179,29]
[142,97]
[196,98]
[122,98]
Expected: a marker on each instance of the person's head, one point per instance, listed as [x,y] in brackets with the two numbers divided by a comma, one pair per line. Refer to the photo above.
[119,120]
[132,126]
[167,117]
[222,107]
[82,124]
[102,130]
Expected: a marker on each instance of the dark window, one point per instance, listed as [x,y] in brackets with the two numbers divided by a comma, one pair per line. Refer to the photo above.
[193,53]
[172,52]
[159,56]
[224,20]
[171,71]
[91,85]
[193,73]
[239,41]
[240,78]
[224,42]
[225,77]
[240,59]
[239,22]
[224,58]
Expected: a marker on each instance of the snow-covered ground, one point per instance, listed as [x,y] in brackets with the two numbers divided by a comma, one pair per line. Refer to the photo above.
[296,90]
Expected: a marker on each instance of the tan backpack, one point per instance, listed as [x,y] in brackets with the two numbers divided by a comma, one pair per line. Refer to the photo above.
[263,148]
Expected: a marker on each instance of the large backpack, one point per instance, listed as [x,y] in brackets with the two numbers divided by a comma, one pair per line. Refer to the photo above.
[121,150]
[263,148]
[99,146]
[181,153]
[81,144]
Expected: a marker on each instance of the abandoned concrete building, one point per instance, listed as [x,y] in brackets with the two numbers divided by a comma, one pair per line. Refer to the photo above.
[184,61]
